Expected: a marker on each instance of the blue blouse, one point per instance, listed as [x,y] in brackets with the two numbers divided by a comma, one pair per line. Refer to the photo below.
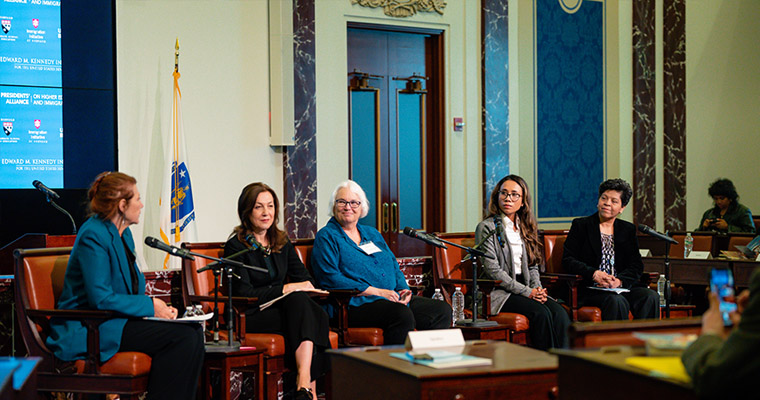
[338,263]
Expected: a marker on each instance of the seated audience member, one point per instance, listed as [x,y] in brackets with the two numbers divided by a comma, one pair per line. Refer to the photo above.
[728,215]
[516,255]
[722,364]
[301,321]
[604,250]
[348,255]
[102,275]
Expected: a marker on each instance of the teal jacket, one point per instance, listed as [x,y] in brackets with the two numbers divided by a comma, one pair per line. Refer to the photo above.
[98,278]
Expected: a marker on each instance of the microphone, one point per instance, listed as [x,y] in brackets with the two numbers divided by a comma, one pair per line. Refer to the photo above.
[477,245]
[175,251]
[44,189]
[429,239]
[252,242]
[651,232]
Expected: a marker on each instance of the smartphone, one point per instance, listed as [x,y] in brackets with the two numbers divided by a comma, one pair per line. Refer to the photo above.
[722,283]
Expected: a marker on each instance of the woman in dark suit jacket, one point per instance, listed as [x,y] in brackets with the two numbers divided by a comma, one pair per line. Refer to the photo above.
[605,252]
[516,256]
[102,275]
[302,322]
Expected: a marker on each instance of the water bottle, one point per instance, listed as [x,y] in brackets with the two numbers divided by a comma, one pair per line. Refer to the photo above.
[457,305]
[688,244]
[438,295]
[188,312]
[661,289]
[199,310]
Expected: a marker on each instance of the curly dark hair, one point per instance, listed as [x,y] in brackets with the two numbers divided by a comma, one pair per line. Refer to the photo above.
[617,185]
[723,187]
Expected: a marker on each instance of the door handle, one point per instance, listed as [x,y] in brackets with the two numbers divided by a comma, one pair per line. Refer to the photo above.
[394,217]
[385,218]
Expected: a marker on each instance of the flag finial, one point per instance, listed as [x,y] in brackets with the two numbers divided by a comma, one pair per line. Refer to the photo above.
[176,55]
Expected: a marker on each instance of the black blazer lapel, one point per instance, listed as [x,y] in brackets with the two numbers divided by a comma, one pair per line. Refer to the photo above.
[595,238]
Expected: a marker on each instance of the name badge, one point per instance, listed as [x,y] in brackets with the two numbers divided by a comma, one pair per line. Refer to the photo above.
[369,248]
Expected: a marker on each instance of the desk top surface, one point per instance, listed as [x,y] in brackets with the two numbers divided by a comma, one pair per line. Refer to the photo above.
[614,357]
[508,358]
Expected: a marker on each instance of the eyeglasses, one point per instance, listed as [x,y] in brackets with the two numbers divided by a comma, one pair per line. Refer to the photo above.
[353,203]
[510,196]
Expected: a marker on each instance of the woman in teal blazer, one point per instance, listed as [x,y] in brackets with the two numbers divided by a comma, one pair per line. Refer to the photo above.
[102,275]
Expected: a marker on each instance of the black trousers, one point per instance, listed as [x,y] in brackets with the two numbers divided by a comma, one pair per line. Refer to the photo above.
[548,321]
[297,318]
[177,350]
[642,302]
[397,319]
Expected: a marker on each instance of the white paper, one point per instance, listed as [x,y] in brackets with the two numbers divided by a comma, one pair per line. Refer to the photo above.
[194,318]
[613,290]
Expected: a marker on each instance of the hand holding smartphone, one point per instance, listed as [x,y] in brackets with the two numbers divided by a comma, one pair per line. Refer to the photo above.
[722,284]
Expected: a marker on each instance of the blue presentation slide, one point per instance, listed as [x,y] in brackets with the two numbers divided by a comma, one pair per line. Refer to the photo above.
[30,42]
[31,144]
[31,98]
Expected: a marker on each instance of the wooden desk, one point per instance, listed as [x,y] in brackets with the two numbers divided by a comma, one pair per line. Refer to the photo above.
[685,271]
[595,374]
[226,360]
[498,332]
[743,271]
[517,372]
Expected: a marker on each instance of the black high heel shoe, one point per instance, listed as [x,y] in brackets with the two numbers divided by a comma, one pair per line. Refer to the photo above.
[303,394]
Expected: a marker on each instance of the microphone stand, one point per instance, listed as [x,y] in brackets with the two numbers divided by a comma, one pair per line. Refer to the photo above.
[474,253]
[59,208]
[224,264]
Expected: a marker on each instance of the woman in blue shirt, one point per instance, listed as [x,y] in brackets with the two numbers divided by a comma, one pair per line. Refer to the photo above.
[102,275]
[348,255]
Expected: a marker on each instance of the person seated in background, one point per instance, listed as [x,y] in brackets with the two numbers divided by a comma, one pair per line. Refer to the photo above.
[728,215]
[102,275]
[515,258]
[604,250]
[724,364]
[348,255]
[300,320]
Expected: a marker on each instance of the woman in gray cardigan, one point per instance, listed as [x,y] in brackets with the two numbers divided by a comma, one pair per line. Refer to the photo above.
[516,254]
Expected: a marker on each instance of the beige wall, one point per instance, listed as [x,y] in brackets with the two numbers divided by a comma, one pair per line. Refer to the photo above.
[224,67]
[723,101]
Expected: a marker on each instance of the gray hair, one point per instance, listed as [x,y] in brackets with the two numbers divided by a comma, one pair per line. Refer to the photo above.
[355,189]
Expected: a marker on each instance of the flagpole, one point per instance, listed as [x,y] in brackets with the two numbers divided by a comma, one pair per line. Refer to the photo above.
[175,129]
[176,55]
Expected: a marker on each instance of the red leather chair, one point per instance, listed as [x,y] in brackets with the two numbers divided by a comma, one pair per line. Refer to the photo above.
[38,283]
[703,241]
[554,243]
[356,336]
[199,288]
[449,271]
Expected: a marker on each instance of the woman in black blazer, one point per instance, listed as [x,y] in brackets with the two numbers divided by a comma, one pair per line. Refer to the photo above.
[605,252]
[301,321]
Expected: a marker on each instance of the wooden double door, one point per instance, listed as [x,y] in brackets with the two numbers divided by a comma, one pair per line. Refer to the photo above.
[396,138]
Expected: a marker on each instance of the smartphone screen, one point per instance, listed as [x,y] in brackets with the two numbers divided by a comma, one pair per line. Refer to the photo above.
[722,283]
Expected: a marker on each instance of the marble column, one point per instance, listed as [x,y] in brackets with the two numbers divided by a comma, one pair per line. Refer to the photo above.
[300,160]
[644,165]
[495,92]
[674,110]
